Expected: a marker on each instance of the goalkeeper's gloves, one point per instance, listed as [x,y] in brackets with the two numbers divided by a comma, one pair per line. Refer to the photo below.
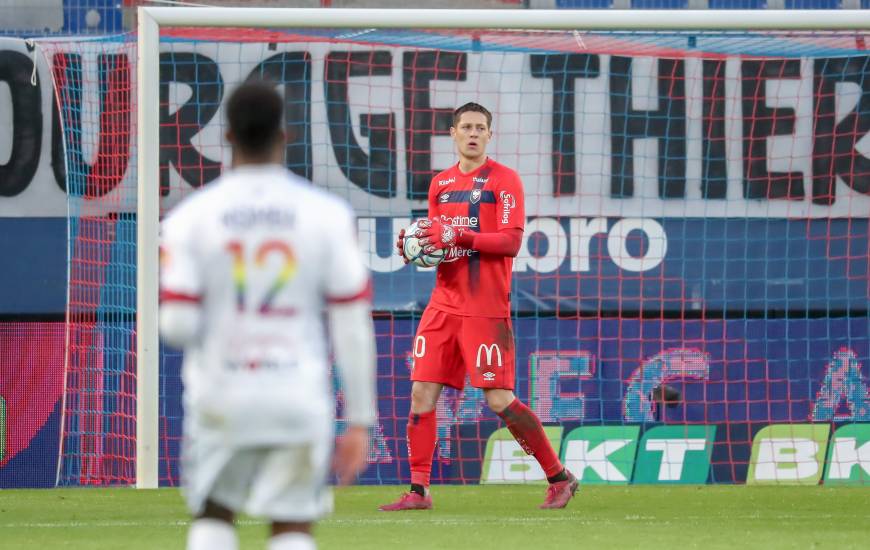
[436,235]
[400,246]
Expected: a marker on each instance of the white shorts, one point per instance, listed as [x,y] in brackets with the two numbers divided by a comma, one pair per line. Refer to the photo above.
[286,483]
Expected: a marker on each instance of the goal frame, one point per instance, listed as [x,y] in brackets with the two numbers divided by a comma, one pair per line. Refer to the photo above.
[152,19]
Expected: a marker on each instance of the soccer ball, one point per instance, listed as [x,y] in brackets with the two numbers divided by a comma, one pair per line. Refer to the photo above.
[414,252]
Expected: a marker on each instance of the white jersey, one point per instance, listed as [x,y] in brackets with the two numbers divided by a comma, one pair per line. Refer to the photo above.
[263,252]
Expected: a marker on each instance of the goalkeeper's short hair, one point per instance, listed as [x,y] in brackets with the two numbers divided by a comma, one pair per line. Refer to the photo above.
[472,107]
[255,114]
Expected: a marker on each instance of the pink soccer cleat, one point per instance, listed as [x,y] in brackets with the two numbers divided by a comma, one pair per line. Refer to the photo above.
[409,501]
[560,492]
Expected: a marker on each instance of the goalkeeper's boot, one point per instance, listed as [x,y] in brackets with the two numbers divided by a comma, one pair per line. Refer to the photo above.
[409,501]
[560,492]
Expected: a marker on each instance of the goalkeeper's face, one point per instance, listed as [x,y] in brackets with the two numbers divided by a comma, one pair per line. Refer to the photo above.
[471,134]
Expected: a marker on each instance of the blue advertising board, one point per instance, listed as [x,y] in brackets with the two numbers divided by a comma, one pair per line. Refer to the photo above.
[733,265]
[718,265]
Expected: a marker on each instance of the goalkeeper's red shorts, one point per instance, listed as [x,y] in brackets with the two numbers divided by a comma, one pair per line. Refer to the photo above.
[447,347]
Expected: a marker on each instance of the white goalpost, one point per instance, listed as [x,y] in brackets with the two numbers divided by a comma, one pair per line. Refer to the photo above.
[151,20]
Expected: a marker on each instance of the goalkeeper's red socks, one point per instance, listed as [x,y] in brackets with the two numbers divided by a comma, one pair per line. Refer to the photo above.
[422,435]
[529,433]
[521,421]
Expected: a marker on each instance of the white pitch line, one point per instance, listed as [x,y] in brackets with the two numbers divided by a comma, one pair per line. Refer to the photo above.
[110,523]
[420,519]
[346,521]
[423,518]
[74,524]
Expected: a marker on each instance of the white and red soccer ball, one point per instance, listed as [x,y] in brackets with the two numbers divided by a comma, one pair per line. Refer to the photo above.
[414,252]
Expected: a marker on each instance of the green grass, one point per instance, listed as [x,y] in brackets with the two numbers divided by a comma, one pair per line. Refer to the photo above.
[474,517]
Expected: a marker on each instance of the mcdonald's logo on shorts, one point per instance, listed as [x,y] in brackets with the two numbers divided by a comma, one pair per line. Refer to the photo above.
[489,351]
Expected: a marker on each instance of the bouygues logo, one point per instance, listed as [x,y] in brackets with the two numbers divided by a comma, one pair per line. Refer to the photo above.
[505,460]
[788,454]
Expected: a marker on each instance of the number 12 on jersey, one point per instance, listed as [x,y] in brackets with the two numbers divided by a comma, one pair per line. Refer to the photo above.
[241,269]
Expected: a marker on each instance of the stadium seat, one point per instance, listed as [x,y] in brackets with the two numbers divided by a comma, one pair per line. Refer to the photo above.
[92,17]
[584,4]
[711,4]
[737,4]
[813,4]
[659,4]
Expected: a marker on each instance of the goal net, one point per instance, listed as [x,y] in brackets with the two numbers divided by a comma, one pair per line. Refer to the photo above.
[690,299]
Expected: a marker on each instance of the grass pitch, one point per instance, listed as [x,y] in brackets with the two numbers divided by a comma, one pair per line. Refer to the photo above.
[474,517]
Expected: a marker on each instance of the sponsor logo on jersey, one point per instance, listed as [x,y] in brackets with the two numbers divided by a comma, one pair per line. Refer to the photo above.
[455,253]
[508,203]
[479,180]
[444,197]
[460,221]
[447,181]
[490,350]
[475,196]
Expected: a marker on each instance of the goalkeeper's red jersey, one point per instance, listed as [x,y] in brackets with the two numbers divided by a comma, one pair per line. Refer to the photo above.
[485,200]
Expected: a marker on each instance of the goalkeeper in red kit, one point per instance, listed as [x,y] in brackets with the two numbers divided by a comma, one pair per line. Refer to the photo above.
[476,213]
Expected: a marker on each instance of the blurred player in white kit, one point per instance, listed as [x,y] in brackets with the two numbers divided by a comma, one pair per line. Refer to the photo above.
[248,265]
